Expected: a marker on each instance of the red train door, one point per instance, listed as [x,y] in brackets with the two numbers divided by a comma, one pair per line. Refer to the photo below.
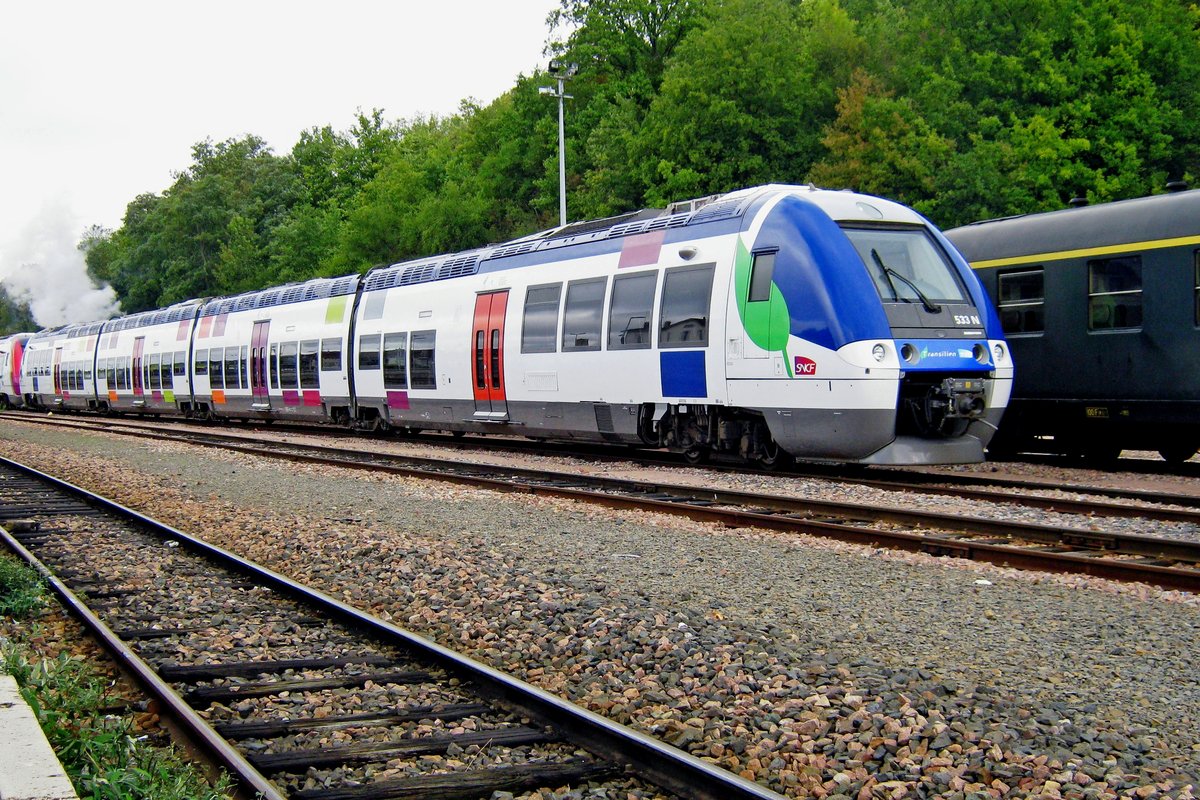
[57,371]
[138,344]
[487,349]
[258,366]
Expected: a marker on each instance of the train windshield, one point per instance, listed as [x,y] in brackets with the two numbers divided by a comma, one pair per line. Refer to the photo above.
[907,266]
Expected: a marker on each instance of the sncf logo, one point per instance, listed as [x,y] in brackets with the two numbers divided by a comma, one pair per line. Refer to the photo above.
[805,366]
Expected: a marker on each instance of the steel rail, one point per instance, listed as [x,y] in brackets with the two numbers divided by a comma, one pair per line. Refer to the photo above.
[662,764]
[965,486]
[821,518]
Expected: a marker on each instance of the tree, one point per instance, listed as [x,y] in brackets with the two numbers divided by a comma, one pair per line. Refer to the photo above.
[15,316]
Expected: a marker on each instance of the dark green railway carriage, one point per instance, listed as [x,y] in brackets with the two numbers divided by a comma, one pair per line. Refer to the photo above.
[1101,307]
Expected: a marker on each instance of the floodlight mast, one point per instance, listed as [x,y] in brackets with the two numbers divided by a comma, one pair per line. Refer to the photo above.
[560,72]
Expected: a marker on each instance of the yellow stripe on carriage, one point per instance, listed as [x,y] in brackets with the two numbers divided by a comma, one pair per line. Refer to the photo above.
[1108,250]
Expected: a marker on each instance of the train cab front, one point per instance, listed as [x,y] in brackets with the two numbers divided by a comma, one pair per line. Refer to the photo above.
[953,363]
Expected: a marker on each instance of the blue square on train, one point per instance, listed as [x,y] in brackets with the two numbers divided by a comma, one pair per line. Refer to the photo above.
[683,374]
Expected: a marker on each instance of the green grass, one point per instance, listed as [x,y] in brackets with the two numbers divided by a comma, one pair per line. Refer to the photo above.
[100,751]
[21,588]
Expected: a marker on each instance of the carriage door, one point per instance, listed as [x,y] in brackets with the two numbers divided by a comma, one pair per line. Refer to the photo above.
[258,366]
[138,344]
[57,371]
[487,364]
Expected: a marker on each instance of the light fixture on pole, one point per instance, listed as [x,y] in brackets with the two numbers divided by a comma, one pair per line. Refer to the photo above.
[560,72]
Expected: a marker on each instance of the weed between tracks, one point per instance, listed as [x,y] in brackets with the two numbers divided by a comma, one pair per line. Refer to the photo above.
[101,751]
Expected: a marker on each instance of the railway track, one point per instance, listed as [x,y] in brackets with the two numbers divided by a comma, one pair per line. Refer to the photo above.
[1164,562]
[1121,502]
[298,695]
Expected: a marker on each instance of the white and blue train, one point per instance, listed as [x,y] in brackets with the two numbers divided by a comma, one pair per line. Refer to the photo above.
[769,323]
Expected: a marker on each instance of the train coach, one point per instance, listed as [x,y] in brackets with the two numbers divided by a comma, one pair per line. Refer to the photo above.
[1101,305]
[768,323]
[12,353]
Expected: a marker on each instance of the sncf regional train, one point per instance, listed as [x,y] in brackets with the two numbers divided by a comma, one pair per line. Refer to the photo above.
[1102,307]
[768,323]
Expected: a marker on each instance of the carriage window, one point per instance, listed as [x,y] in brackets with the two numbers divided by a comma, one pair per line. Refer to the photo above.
[368,352]
[761,272]
[422,371]
[201,362]
[539,331]
[686,294]
[1021,302]
[309,379]
[287,365]
[155,374]
[274,366]
[232,373]
[1115,293]
[180,363]
[331,355]
[629,317]
[583,314]
[395,361]
[216,368]
[244,366]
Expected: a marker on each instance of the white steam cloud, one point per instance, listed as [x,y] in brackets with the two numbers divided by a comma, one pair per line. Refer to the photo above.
[43,267]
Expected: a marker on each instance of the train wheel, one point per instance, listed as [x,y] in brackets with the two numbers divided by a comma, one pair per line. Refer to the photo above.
[773,457]
[1177,454]
[697,455]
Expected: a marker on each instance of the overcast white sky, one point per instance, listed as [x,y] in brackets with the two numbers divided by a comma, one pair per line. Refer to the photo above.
[102,101]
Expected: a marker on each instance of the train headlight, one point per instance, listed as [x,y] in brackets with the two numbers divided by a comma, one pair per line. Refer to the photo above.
[980,353]
[998,351]
[879,351]
[909,353]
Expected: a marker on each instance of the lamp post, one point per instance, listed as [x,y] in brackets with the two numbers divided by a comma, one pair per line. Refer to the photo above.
[560,72]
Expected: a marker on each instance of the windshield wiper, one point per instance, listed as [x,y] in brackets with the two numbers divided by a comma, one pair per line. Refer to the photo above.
[889,273]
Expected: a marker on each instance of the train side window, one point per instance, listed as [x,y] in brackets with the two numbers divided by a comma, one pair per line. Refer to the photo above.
[274,366]
[686,295]
[1022,301]
[583,314]
[180,367]
[422,369]
[244,366]
[1115,293]
[331,355]
[233,379]
[287,365]
[629,314]
[539,331]
[216,368]
[395,361]
[232,374]
[761,272]
[309,379]
[201,362]
[368,352]
[155,373]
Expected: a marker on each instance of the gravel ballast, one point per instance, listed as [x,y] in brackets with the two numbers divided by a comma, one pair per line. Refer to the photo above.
[816,668]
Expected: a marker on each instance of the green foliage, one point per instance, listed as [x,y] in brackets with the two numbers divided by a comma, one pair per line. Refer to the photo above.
[20,588]
[103,758]
[15,316]
[964,109]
